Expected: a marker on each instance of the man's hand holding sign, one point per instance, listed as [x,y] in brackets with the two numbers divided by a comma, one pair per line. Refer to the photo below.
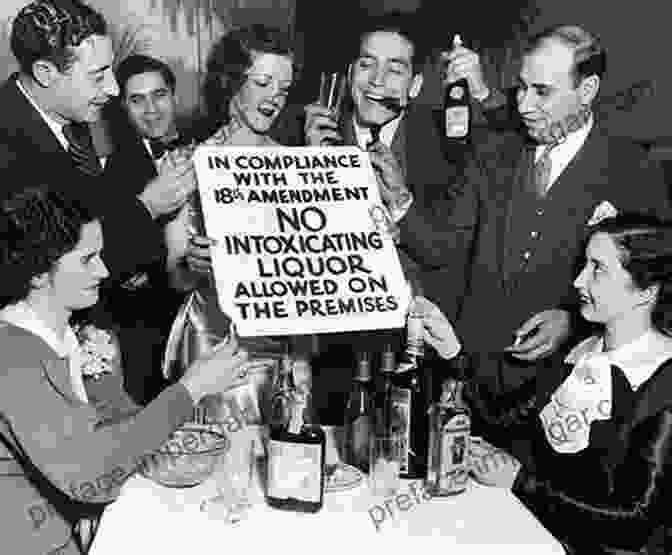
[297,248]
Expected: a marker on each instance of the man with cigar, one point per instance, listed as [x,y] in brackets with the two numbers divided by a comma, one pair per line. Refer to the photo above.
[404,143]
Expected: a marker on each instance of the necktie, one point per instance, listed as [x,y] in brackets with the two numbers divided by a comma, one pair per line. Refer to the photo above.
[81,149]
[542,172]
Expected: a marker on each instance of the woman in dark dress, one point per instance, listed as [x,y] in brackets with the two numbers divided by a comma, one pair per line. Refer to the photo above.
[602,474]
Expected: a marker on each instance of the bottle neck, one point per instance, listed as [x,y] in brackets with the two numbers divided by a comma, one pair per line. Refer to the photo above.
[297,419]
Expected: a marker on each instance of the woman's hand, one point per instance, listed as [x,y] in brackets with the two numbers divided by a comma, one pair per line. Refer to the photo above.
[438,331]
[492,466]
[225,367]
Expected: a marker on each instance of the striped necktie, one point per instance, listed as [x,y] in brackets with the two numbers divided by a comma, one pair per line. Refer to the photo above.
[542,171]
[81,149]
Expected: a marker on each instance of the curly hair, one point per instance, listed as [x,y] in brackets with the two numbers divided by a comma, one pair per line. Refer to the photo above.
[50,29]
[231,57]
[645,246]
[38,227]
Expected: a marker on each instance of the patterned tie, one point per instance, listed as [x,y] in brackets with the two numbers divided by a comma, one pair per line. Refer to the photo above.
[81,149]
[160,146]
[542,172]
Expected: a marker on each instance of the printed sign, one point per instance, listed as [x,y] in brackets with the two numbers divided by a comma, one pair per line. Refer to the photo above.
[302,242]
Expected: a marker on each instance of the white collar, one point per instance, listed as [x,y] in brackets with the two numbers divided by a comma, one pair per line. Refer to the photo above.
[55,127]
[565,151]
[23,316]
[638,359]
[387,132]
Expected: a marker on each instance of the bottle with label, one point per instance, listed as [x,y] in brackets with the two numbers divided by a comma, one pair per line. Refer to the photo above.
[449,436]
[296,462]
[359,415]
[281,394]
[409,401]
[457,106]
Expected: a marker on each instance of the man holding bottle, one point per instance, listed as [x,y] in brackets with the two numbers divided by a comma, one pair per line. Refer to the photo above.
[530,197]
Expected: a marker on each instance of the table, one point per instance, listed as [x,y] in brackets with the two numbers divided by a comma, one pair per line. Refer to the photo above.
[148,518]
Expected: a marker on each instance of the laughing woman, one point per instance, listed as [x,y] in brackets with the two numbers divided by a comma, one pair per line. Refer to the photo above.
[68,442]
[602,478]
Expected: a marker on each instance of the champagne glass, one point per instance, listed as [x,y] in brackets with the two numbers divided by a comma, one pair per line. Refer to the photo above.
[333,88]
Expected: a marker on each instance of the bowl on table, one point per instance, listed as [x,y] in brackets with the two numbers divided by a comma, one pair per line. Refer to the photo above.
[188,458]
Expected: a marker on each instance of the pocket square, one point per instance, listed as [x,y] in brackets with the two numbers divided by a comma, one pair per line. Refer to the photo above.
[603,210]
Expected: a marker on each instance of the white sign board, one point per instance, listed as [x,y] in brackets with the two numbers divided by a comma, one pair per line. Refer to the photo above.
[301,247]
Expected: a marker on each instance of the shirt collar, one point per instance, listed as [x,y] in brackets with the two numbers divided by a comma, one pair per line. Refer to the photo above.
[638,359]
[387,132]
[567,148]
[23,316]
[55,127]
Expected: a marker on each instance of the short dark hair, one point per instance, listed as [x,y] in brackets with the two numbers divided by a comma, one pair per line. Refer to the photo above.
[136,64]
[590,57]
[38,226]
[403,24]
[50,29]
[645,244]
[231,57]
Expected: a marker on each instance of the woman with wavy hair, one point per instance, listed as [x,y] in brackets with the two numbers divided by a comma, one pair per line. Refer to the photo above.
[601,475]
[249,74]
[69,434]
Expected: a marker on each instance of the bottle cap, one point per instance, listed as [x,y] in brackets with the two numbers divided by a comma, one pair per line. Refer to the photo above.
[387,363]
[363,371]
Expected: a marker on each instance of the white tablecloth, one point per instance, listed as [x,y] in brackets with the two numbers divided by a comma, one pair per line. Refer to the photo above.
[148,518]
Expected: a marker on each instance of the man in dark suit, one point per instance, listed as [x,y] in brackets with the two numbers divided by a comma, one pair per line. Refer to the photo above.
[384,79]
[523,209]
[144,129]
[65,79]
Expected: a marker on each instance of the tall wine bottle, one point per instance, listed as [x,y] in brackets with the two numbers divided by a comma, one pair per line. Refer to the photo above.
[359,415]
[296,462]
[457,106]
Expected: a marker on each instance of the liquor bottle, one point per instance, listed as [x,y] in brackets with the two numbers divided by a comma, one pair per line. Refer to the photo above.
[359,415]
[449,436]
[281,395]
[409,399]
[457,106]
[383,420]
[296,462]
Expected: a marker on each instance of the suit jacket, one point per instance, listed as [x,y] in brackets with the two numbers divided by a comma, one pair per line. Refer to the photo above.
[143,315]
[85,450]
[31,155]
[471,232]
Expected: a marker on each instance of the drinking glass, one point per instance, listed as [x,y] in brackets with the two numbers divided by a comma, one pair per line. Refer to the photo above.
[384,464]
[233,481]
[332,91]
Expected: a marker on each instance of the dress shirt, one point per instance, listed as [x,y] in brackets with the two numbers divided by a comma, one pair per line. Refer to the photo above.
[23,316]
[563,153]
[387,131]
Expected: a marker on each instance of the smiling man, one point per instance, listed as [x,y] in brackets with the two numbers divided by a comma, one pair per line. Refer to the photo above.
[65,79]
[529,199]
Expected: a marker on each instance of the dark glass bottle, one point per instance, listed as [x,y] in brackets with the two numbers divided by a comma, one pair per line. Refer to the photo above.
[410,398]
[457,107]
[296,462]
[359,415]
[450,436]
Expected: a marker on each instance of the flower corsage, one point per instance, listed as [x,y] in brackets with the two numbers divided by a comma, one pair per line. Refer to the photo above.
[99,350]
